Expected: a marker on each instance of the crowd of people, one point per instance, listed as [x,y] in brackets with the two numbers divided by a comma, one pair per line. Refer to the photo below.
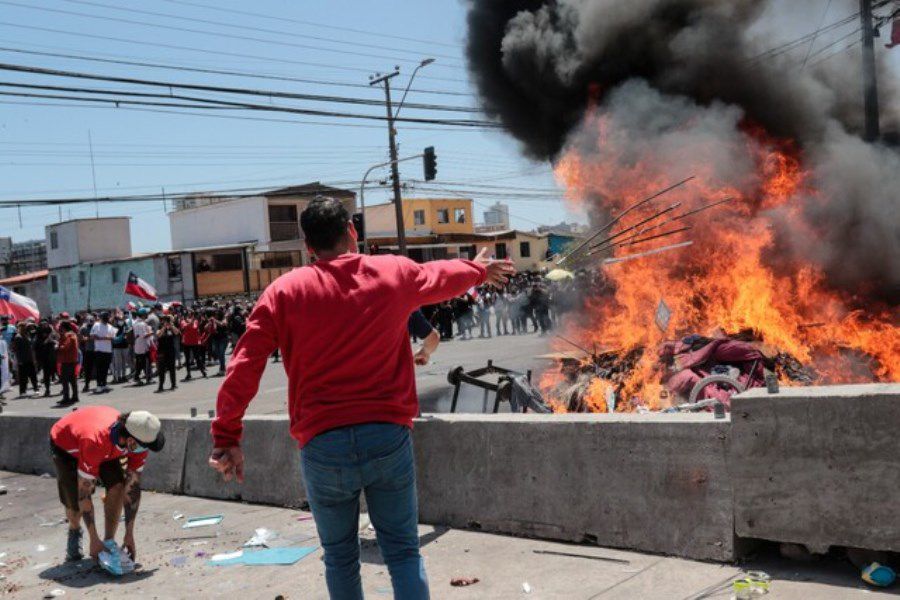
[143,345]
[136,344]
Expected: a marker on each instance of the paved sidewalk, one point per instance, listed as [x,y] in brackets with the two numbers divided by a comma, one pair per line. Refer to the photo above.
[33,542]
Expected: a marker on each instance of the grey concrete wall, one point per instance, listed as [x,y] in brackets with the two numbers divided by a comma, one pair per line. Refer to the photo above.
[656,482]
[818,466]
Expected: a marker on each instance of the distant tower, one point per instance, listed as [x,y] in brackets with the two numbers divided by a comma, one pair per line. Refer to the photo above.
[498,214]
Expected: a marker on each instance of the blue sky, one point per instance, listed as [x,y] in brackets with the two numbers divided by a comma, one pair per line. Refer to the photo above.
[44,149]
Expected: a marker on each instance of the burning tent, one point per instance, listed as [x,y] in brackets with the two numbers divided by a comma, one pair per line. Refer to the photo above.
[626,99]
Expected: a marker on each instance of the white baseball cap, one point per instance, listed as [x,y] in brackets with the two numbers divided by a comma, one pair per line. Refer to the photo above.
[145,428]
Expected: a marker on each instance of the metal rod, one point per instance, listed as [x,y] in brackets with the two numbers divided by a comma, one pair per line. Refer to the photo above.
[681,216]
[619,259]
[629,242]
[362,195]
[595,247]
[620,215]
[568,341]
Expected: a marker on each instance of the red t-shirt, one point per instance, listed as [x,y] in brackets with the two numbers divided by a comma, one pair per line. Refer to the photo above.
[190,333]
[341,328]
[84,434]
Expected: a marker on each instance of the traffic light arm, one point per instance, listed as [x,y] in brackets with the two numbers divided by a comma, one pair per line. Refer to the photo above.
[362,193]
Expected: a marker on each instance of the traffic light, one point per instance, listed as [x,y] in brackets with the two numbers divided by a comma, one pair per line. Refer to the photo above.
[429,161]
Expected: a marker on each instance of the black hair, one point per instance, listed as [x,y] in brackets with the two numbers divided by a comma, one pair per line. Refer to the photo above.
[324,223]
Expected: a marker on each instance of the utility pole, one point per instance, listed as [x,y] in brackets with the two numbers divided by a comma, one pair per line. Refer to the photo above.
[870,84]
[395,171]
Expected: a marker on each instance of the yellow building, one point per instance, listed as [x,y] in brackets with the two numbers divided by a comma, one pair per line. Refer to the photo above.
[421,216]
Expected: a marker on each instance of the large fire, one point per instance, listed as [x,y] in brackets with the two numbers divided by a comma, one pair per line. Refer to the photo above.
[732,278]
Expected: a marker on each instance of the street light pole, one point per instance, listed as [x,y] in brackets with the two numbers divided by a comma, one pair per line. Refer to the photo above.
[392,141]
[870,85]
[362,195]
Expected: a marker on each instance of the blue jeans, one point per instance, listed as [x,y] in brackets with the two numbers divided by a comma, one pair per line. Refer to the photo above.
[218,351]
[378,458]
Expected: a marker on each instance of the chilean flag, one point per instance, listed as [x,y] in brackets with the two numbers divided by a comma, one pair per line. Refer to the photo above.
[20,307]
[140,288]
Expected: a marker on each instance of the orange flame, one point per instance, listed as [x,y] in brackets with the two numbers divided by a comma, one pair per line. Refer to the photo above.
[731,278]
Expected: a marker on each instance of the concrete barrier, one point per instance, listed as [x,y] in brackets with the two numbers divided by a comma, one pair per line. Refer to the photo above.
[649,482]
[818,465]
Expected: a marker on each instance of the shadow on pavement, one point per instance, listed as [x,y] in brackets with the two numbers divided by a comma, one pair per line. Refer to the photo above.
[85,573]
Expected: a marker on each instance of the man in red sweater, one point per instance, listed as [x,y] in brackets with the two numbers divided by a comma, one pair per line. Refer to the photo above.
[340,324]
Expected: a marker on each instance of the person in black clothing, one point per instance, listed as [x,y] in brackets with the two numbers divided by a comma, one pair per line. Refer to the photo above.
[445,320]
[236,325]
[45,344]
[166,350]
[23,348]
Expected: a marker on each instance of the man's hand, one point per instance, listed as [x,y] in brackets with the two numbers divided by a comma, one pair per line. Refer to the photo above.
[421,357]
[96,547]
[128,542]
[229,462]
[498,271]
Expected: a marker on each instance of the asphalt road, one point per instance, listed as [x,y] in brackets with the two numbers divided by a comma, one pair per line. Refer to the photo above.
[173,561]
[513,352]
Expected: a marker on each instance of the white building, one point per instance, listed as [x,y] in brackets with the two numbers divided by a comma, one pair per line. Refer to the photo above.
[270,221]
[498,214]
[87,240]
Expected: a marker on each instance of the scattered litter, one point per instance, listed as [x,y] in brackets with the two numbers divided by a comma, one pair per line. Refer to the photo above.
[40,566]
[878,575]
[591,556]
[49,476]
[226,556]
[754,583]
[178,561]
[177,515]
[199,543]
[114,560]
[200,554]
[526,587]
[55,593]
[21,489]
[268,556]
[203,521]
[2,554]
[3,490]
[53,523]
[40,548]
[463,581]
[261,537]
[304,518]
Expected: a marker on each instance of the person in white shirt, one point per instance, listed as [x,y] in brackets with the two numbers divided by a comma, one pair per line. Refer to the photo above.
[4,368]
[143,338]
[102,333]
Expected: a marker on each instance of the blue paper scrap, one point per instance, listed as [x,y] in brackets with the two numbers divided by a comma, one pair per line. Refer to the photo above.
[269,556]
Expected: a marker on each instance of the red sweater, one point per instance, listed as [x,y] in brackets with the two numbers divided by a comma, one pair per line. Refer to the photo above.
[341,328]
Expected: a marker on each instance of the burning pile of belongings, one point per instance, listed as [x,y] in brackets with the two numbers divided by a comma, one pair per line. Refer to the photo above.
[694,373]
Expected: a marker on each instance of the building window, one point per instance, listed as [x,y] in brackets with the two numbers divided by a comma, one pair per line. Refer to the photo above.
[174,267]
[419,217]
[82,279]
[114,274]
[525,249]
[459,215]
[54,284]
[54,240]
[443,215]
[500,251]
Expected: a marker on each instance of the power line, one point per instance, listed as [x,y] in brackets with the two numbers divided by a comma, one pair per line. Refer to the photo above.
[816,34]
[232,73]
[246,27]
[220,103]
[205,51]
[239,117]
[209,33]
[282,19]
[222,89]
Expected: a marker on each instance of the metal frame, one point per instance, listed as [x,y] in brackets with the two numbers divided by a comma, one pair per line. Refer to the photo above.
[501,389]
